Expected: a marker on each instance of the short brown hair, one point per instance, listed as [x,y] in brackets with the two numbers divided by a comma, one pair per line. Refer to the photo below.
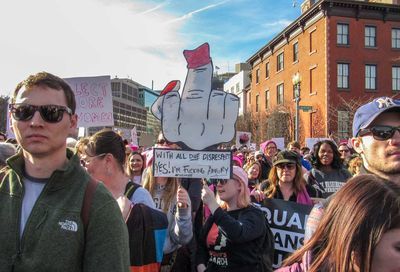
[50,81]
[294,144]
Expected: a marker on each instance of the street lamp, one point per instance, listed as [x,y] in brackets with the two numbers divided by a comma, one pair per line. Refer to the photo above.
[296,80]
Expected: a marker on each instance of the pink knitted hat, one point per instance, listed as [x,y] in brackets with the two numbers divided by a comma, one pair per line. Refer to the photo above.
[241,175]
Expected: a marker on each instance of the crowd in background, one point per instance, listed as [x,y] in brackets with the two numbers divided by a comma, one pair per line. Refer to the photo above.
[97,205]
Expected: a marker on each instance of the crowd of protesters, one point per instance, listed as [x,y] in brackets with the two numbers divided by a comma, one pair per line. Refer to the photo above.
[209,225]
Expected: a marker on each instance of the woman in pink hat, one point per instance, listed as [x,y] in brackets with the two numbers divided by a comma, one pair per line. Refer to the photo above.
[232,237]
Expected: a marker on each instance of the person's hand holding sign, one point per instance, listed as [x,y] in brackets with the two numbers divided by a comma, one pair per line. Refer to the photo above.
[201,117]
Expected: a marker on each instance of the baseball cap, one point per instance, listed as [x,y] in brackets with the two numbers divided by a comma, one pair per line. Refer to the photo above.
[258,153]
[286,156]
[367,113]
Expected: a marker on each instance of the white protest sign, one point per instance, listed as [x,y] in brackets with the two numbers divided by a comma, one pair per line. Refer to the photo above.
[310,142]
[280,143]
[243,138]
[93,100]
[134,137]
[192,164]
[9,132]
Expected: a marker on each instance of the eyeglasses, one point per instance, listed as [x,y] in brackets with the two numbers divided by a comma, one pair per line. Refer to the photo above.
[49,113]
[85,161]
[380,133]
[344,150]
[289,166]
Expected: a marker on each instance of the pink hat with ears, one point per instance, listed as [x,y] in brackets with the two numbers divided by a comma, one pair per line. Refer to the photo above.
[264,144]
[240,174]
[238,160]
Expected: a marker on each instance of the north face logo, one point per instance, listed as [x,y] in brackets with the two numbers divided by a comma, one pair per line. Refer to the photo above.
[69,225]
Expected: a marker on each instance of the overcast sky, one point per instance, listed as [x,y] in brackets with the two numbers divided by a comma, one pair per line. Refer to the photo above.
[142,40]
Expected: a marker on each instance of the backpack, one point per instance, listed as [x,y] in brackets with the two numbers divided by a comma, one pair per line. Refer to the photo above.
[147,229]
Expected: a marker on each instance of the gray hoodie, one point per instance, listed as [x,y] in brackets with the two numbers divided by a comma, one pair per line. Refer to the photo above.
[180,230]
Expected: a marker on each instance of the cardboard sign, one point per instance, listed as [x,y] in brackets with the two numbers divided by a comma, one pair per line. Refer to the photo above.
[192,164]
[9,132]
[197,118]
[280,143]
[243,138]
[287,220]
[93,100]
[310,142]
[134,137]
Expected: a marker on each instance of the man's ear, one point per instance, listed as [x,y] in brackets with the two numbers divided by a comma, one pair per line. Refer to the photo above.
[357,144]
[74,122]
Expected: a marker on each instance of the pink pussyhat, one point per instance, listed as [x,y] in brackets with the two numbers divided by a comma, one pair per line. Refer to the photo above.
[197,57]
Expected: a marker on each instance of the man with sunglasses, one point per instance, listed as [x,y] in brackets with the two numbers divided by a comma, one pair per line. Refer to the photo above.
[376,137]
[42,191]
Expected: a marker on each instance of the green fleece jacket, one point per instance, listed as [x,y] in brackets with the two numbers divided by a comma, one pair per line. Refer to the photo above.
[54,238]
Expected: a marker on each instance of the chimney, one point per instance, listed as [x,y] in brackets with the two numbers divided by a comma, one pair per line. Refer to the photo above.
[306,5]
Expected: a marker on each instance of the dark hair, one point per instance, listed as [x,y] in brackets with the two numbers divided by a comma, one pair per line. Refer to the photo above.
[107,141]
[50,81]
[363,210]
[336,162]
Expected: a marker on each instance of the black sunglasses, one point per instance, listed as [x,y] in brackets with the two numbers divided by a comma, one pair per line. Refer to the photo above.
[380,133]
[221,181]
[49,113]
[289,166]
[163,141]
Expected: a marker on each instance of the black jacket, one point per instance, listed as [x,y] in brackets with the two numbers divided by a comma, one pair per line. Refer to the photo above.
[232,241]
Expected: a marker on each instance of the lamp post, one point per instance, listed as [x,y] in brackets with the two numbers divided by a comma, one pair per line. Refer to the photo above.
[296,80]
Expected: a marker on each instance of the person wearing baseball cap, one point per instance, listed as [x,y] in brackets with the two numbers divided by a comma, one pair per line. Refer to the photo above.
[376,138]
[286,180]
[227,243]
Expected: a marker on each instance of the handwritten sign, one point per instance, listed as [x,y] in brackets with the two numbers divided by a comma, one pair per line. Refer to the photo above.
[287,220]
[134,136]
[192,164]
[93,100]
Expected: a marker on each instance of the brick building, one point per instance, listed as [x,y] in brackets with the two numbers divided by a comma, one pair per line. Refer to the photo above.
[346,52]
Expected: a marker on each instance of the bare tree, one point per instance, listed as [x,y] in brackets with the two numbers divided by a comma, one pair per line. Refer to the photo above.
[341,116]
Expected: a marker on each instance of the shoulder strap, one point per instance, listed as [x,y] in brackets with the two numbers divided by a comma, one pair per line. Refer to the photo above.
[130,189]
[87,201]
[313,180]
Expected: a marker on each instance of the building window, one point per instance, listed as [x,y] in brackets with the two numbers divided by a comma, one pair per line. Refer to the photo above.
[396,78]
[343,125]
[295,51]
[267,70]
[343,75]
[370,77]
[257,75]
[342,34]
[313,80]
[257,102]
[237,88]
[313,41]
[249,98]
[370,36]
[279,94]
[279,62]
[267,99]
[395,37]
